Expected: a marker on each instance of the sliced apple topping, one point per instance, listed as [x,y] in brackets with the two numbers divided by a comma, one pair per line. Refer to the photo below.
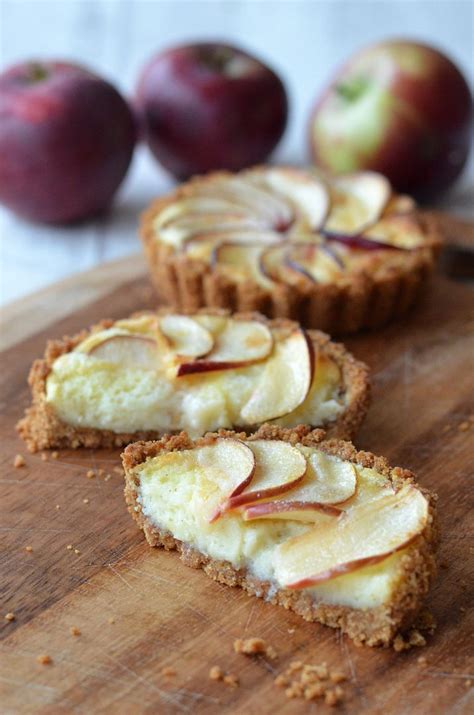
[187,337]
[239,343]
[358,202]
[363,536]
[279,467]
[128,350]
[195,206]
[255,201]
[328,481]
[308,194]
[285,381]
[243,260]
[228,466]
[316,262]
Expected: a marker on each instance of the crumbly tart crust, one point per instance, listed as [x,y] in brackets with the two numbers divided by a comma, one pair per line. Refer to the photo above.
[42,429]
[375,627]
[365,302]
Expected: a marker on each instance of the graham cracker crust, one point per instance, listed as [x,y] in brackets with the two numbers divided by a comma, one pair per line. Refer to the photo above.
[374,627]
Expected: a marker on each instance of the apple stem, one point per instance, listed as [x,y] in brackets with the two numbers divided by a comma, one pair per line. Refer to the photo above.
[37,72]
[352,89]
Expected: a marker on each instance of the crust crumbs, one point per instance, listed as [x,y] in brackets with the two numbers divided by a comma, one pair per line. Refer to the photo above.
[254,646]
[44,659]
[378,626]
[312,682]
[41,428]
[19,461]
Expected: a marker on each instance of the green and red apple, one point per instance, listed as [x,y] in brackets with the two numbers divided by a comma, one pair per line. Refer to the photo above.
[398,107]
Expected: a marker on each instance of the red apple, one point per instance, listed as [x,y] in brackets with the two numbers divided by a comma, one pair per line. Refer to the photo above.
[400,108]
[66,141]
[210,106]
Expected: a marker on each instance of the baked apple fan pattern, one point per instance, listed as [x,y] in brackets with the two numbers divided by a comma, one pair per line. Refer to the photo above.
[290,243]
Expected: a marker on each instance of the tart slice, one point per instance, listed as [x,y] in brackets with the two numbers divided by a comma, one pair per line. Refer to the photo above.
[159,373]
[338,254]
[333,534]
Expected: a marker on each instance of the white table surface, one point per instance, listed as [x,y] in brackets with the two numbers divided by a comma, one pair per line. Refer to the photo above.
[303,40]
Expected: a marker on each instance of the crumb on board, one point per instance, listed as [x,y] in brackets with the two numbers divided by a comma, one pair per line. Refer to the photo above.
[254,646]
[44,456]
[231,680]
[118,470]
[216,673]
[19,461]
[107,477]
[29,548]
[44,659]
[54,455]
[111,620]
[421,660]
[85,500]
[464,426]
[69,547]
[414,639]
[57,506]
[74,631]
[312,681]
[168,671]
[100,472]
[468,683]
[76,551]
[90,474]
[10,617]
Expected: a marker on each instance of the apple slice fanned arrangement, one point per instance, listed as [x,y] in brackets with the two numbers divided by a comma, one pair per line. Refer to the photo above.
[164,372]
[333,534]
[338,253]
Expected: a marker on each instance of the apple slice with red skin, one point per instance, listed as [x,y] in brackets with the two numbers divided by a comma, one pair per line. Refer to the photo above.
[243,257]
[240,343]
[360,537]
[309,259]
[129,351]
[273,266]
[194,206]
[328,481]
[186,337]
[362,242]
[278,468]
[229,465]
[286,379]
[371,192]
[306,193]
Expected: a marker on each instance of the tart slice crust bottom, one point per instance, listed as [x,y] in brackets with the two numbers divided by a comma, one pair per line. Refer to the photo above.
[373,627]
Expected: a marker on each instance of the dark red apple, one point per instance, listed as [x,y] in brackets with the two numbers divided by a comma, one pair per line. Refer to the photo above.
[400,108]
[66,141]
[210,106]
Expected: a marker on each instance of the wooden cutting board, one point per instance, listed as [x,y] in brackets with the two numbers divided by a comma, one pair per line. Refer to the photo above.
[140,610]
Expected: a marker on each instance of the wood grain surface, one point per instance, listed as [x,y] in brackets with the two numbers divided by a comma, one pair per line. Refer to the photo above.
[140,610]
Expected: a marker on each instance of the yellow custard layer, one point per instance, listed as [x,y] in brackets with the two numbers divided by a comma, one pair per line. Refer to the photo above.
[175,497]
[86,391]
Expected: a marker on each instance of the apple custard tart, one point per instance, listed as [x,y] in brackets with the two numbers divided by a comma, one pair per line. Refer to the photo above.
[336,254]
[336,535]
[162,372]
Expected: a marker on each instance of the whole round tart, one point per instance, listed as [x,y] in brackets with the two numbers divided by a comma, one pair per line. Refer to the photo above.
[337,254]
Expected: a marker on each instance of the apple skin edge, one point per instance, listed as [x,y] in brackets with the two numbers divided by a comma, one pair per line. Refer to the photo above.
[346,568]
[424,126]
[66,141]
[255,511]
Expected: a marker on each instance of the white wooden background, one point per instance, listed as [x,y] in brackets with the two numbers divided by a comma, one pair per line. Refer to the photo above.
[303,39]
